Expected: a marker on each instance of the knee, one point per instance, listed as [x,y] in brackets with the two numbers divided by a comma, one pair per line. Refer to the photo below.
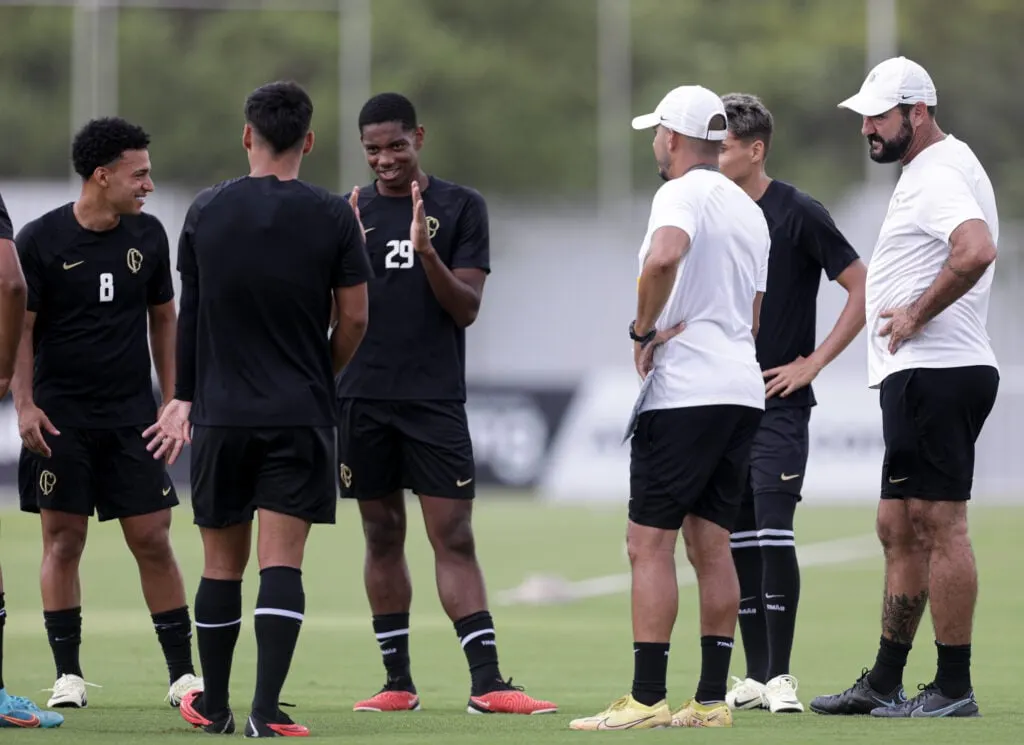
[935,527]
[64,544]
[153,544]
[385,535]
[455,537]
[898,537]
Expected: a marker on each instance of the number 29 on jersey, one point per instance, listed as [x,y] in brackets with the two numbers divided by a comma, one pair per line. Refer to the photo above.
[400,255]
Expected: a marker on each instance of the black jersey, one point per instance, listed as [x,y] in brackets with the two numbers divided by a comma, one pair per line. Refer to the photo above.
[259,259]
[805,241]
[6,229]
[91,292]
[413,348]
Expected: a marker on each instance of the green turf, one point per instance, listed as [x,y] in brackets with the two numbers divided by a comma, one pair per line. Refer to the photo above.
[576,654]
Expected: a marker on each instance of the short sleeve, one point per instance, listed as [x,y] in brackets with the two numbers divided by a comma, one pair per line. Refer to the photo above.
[823,241]
[187,264]
[946,202]
[6,228]
[160,289]
[762,271]
[472,248]
[351,264]
[31,267]
[676,204]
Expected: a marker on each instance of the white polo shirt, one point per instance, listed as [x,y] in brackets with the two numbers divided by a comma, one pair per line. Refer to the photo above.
[713,361]
[941,188]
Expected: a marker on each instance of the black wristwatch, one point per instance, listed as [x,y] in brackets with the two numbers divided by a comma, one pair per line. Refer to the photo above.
[645,339]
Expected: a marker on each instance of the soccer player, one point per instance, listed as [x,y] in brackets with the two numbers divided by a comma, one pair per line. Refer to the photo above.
[403,418]
[98,272]
[260,258]
[805,242]
[703,265]
[929,281]
[15,711]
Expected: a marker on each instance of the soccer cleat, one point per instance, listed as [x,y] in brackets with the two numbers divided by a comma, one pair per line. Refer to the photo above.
[69,693]
[860,698]
[20,713]
[191,710]
[745,694]
[508,699]
[390,699]
[694,714]
[780,695]
[257,726]
[626,713]
[181,686]
[931,702]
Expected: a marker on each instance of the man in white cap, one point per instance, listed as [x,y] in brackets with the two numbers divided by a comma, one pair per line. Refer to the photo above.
[928,289]
[703,264]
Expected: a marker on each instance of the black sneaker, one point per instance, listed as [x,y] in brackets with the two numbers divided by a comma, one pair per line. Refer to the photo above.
[192,711]
[280,726]
[931,702]
[860,698]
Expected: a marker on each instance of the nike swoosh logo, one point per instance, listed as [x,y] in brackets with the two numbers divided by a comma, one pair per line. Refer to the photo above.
[944,711]
[167,491]
[774,596]
[72,266]
[367,230]
[31,723]
[898,481]
[625,725]
[789,476]
[462,483]
[741,704]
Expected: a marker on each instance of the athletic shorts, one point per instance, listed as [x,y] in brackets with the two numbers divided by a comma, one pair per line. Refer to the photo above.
[237,470]
[931,419]
[387,446]
[778,456]
[691,460]
[106,470]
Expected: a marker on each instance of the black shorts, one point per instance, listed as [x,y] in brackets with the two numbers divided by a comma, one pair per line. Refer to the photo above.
[237,470]
[931,419]
[387,446]
[778,457]
[106,470]
[691,460]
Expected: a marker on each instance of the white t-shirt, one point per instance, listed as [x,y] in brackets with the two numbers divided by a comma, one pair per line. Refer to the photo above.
[941,188]
[713,361]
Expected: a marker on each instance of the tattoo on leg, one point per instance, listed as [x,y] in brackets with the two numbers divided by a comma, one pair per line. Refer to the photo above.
[901,616]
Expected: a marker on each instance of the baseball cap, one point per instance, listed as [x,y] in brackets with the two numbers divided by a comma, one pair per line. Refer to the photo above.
[892,82]
[687,110]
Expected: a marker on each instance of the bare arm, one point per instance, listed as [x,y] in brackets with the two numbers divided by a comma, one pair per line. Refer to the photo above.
[668,246]
[972,251]
[851,319]
[352,307]
[756,325]
[13,296]
[24,366]
[459,291]
[162,335]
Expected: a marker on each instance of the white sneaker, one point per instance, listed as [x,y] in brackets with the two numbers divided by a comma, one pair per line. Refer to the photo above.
[745,694]
[780,695]
[69,693]
[181,686]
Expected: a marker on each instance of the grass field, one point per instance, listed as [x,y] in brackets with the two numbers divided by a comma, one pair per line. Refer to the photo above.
[576,653]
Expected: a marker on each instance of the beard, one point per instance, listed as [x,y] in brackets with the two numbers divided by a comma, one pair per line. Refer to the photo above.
[894,149]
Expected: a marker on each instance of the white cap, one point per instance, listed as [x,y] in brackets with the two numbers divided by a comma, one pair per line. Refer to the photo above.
[892,82]
[687,110]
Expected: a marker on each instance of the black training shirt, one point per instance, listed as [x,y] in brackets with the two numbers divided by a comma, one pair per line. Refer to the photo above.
[91,292]
[805,241]
[259,259]
[6,229]
[413,348]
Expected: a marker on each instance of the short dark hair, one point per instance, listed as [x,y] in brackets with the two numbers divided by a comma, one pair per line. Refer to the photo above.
[388,107]
[281,113]
[749,118]
[103,141]
[906,107]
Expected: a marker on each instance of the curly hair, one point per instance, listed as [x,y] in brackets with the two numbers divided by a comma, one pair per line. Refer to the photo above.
[102,141]
[388,107]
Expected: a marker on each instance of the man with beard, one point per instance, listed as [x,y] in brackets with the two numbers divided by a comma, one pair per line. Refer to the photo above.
[928,289]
